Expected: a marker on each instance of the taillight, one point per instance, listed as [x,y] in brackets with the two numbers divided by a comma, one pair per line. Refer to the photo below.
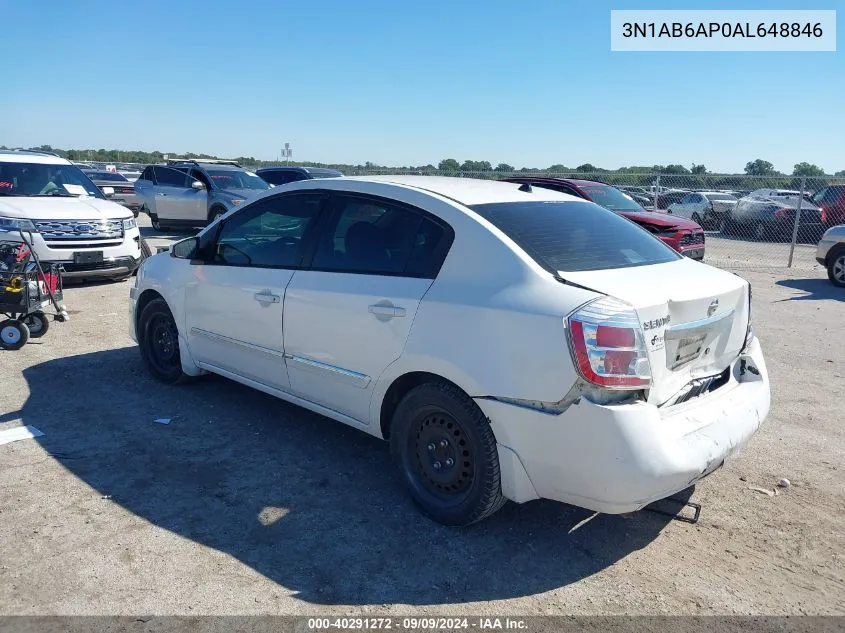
[780,214]
[824,214]
[607,345]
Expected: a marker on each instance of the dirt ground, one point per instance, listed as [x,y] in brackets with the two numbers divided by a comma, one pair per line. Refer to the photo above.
[244,504]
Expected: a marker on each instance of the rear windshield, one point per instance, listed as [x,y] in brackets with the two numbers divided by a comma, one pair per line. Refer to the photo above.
[106,175]
[610,197]
[575,236]
[719,196]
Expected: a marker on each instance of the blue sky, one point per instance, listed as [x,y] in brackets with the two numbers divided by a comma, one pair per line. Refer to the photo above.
[398,83]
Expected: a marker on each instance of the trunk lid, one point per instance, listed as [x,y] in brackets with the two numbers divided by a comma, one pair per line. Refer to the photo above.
[693,317]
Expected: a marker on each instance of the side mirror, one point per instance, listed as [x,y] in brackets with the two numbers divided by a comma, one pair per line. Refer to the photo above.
[108,192]
[197,185]
[185,249]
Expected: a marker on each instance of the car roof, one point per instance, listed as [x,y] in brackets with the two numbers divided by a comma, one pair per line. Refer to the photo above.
[469,191]
[215,166]
[13,156]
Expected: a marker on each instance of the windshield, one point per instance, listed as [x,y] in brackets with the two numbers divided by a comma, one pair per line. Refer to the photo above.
[37,179]
[234,179]
[575,236]
[610,198]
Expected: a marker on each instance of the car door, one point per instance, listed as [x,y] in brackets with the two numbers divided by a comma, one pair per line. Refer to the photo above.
[145,188]
[235,299]
[175,199]
[348,315]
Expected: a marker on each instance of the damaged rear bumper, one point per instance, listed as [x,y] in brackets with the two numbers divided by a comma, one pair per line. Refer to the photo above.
[620,458]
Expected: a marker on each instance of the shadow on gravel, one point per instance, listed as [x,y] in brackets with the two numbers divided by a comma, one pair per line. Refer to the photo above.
[307,502]
[816,289]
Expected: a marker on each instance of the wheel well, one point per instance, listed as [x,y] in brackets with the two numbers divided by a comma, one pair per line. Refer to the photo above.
[143,300]
[399,389]
[214,208]
[834,252]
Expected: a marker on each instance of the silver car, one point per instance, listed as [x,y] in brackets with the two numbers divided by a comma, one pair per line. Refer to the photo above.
[194,193]
[831,254]
[706,208]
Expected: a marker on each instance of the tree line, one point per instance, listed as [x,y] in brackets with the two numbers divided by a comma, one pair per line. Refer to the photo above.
[757,167]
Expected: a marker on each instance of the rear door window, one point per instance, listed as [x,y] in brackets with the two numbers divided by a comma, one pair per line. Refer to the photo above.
[372,236]
[575,236]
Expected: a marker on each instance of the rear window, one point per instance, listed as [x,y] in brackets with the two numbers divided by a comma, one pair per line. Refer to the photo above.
[719,196]
[610,198]
[575,236]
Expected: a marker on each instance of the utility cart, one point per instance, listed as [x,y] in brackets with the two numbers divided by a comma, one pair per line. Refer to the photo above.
[28,290]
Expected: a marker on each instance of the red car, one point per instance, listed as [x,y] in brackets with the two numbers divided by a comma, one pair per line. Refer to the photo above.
[685,236]
[831,200]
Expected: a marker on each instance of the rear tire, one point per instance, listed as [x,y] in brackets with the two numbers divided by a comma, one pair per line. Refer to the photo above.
[13,334]
[158,340]
[836,267]
[157,225]
[447,455]
[38,324]
[697,219]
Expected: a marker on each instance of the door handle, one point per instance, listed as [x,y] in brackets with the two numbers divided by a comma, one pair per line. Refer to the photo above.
[385,310]
[266,297]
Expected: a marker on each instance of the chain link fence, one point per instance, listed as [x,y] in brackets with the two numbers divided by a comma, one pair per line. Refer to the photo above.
[749,222]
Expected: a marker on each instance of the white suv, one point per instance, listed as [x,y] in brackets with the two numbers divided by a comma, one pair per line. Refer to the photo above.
[511,342]
[71,221]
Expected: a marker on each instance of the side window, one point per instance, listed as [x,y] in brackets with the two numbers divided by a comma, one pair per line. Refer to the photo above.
[196,174]
[687,199]
[370,236]
[147,174]
[271,233]
[170,177]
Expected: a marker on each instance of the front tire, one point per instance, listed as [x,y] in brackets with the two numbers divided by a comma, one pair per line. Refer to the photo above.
[13,334]
[836,267]
[215,213]
[158,340]
[447,455]
[38,324]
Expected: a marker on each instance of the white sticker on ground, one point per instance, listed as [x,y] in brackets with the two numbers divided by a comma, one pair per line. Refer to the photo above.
[19,433]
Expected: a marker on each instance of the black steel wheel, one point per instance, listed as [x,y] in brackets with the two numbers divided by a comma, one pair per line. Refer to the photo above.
[158,339]
[13,334]
[447,455]
[38,324]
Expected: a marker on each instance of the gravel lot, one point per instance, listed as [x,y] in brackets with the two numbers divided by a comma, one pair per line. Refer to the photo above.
[244,504]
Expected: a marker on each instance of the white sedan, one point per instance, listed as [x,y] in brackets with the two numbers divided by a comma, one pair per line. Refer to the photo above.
[510,342]
[706,208]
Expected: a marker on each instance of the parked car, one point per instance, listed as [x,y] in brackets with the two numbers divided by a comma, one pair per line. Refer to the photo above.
[830,253]
[194,193]
[123,191]
[706,208]
[71,221]
[284,175]
[685,236]
[510,342]
[831,200]
[665,200]
[770,215]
